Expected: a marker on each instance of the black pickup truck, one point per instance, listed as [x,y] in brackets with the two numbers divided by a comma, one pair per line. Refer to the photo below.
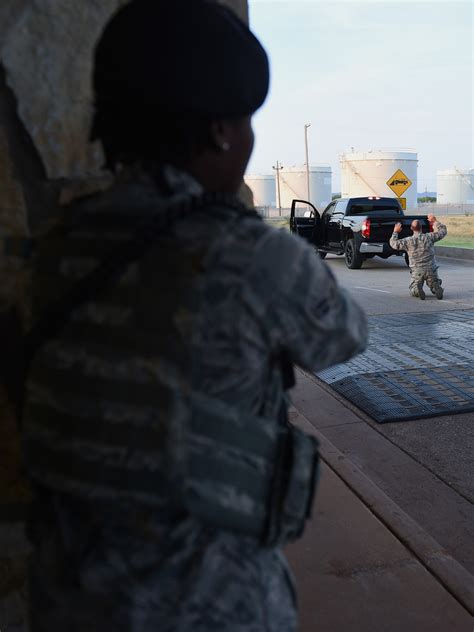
[358,228]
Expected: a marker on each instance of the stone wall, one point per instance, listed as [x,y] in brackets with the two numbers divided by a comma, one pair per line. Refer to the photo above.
[46,160]
[45,105]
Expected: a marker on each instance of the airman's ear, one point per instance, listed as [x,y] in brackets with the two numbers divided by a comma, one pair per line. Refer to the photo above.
[220,132]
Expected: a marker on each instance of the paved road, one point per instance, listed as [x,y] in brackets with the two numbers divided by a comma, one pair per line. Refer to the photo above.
[381,285]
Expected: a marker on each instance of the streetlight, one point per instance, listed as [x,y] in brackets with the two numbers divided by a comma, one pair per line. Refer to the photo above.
[307,161]
[278,168]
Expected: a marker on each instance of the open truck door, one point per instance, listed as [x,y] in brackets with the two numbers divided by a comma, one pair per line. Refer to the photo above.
[305,220]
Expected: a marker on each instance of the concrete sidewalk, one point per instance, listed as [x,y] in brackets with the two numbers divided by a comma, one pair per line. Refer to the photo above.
[363,564]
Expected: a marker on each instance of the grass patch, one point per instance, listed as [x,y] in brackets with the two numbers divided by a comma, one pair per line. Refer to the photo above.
[453,242]
[460,231]
[278,222]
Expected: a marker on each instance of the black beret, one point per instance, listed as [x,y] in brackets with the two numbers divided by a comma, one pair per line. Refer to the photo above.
[191,56]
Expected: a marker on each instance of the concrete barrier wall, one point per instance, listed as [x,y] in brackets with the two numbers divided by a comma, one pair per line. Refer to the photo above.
[456,253]
[445,209]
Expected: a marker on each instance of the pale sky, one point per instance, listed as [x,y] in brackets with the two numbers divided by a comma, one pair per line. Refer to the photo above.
[368,75]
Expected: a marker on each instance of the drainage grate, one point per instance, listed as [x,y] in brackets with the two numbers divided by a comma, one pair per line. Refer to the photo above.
[429,371]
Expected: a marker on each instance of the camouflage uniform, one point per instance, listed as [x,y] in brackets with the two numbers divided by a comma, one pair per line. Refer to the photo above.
[113,548]
[422,260]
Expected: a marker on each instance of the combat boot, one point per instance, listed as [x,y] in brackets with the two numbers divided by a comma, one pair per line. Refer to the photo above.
[421,293]
[439,292]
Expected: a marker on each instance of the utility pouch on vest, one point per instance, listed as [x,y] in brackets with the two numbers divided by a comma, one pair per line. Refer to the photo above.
[248,474]
[293,488]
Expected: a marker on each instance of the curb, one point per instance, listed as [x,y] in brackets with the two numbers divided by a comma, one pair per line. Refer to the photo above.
[457,580]
[455,253]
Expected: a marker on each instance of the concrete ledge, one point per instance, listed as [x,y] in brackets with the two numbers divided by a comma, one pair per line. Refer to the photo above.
[456,253]
[456,579]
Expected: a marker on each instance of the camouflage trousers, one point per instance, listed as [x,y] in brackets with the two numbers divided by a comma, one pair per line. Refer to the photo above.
[419,277]
[116,569]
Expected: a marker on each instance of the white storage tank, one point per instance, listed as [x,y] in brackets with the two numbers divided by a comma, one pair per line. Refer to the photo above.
[293,185]
[263,189]
[372,172]
[455,186]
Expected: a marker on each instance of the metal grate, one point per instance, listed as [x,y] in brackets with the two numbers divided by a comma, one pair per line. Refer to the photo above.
[421,365]
[440,331]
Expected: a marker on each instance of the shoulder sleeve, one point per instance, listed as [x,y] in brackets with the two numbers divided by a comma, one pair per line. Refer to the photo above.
[439,232]
[300,304]
[397,244]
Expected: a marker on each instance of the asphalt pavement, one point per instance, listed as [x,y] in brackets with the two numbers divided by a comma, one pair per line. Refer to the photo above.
[381,285]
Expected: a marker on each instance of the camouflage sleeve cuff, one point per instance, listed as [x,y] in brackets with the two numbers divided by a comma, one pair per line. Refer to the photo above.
[439,231]
[394,242]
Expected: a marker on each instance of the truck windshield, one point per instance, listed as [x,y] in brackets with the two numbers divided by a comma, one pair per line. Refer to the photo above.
[383,209]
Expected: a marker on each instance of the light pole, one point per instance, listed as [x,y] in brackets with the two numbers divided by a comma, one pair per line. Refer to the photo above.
[307,161]
[278,168]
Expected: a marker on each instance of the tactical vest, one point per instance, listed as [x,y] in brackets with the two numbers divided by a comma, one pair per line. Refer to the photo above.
[111,412]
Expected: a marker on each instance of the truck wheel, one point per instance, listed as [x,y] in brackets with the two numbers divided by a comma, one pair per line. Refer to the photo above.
[354,259]
[407,259]
[322,254]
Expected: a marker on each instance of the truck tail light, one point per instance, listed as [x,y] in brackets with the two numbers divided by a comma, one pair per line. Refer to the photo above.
[366,228]
[430,227]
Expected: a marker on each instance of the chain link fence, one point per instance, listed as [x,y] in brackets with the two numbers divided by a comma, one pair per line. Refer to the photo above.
[443,209]
[424,208]
[270,212]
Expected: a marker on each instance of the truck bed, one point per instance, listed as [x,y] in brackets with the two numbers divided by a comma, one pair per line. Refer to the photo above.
[358,228]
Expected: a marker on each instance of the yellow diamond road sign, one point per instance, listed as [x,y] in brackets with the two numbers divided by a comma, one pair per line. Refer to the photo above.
[399,183]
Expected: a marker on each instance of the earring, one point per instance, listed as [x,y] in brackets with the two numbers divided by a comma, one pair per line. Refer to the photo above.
[225,146]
